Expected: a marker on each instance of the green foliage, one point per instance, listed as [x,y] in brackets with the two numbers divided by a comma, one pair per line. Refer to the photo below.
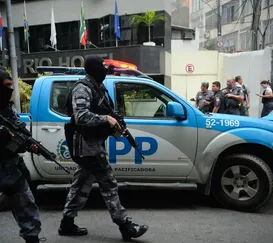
[148,18]
[43,74]
[211,44]
[25,94]
[138,95]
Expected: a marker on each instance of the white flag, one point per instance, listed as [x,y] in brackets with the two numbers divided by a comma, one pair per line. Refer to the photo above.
[53,37]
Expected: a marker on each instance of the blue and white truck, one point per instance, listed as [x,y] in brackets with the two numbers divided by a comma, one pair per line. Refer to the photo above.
[228,156]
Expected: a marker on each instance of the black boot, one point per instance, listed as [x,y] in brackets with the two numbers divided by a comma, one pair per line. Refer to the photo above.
[34,239]
[68,227]
[130,230]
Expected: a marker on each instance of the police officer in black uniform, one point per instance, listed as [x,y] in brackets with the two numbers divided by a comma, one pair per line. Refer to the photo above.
[203,98]
[89,116]
[13,172]
[218,105]
[234,96]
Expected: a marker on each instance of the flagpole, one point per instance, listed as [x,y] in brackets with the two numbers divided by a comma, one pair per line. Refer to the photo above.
[26,26]
[117,26]
[28,45]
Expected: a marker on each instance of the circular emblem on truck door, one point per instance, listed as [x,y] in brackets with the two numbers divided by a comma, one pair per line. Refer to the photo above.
[62,150]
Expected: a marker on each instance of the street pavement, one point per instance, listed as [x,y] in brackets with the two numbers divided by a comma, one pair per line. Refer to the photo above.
[173,217]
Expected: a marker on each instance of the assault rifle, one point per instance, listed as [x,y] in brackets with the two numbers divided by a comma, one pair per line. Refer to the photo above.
[21,138]
[123,130]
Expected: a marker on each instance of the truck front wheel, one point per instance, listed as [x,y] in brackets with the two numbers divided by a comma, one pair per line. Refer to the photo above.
[242,182]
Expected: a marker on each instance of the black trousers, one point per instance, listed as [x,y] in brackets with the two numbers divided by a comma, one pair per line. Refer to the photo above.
[91,169]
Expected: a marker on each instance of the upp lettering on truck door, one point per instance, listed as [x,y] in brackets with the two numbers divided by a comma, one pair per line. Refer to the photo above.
[161,138]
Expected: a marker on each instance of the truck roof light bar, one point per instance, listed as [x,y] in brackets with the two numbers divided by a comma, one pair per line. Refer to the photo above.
[112,70]
[119,64]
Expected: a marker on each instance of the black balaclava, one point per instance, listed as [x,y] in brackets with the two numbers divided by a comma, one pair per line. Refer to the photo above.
[94,67]
[5,92]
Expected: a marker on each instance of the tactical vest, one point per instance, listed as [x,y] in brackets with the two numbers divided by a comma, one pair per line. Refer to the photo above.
[232,103]
[267,100]
[99,105]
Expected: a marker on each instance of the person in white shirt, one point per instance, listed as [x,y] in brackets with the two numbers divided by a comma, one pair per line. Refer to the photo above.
[267,98]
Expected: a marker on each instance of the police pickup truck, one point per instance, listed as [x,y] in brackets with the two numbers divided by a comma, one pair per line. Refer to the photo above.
[228,156]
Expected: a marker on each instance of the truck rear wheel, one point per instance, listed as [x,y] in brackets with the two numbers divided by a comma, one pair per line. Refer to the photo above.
[242,182]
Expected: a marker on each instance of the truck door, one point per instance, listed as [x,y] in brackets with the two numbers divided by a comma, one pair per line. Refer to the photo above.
[169,146]
[50,122]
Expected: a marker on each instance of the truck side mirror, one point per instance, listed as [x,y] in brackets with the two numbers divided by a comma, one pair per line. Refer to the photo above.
[175,109]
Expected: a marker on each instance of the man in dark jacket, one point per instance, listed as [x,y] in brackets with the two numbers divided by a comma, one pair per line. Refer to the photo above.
[218,98]
[234,97]
[14,173]
[89,114]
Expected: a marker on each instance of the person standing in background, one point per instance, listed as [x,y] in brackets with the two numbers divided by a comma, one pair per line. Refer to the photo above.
[267,98]
[234,97]
[218,102]
[245,105]
[204,98]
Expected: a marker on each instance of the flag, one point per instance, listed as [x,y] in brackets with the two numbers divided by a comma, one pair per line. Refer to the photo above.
[53,37]
[26,28]
[1,32]
[117,27]
[83,31]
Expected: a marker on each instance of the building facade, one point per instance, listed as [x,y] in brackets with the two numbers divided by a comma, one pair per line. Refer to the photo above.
[99,16]
[236,20]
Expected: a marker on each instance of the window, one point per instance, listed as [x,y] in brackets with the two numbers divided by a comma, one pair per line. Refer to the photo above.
[59,94]
[248,9]
[230,41]
[197,5]
[245,39]
[211,20]
[139,100]
[230,12]
[269,32]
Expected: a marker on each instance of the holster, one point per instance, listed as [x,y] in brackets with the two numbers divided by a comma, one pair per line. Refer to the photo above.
[98,163]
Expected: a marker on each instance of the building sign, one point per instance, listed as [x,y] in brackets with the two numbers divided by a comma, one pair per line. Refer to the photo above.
[64,60]
[147,59]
